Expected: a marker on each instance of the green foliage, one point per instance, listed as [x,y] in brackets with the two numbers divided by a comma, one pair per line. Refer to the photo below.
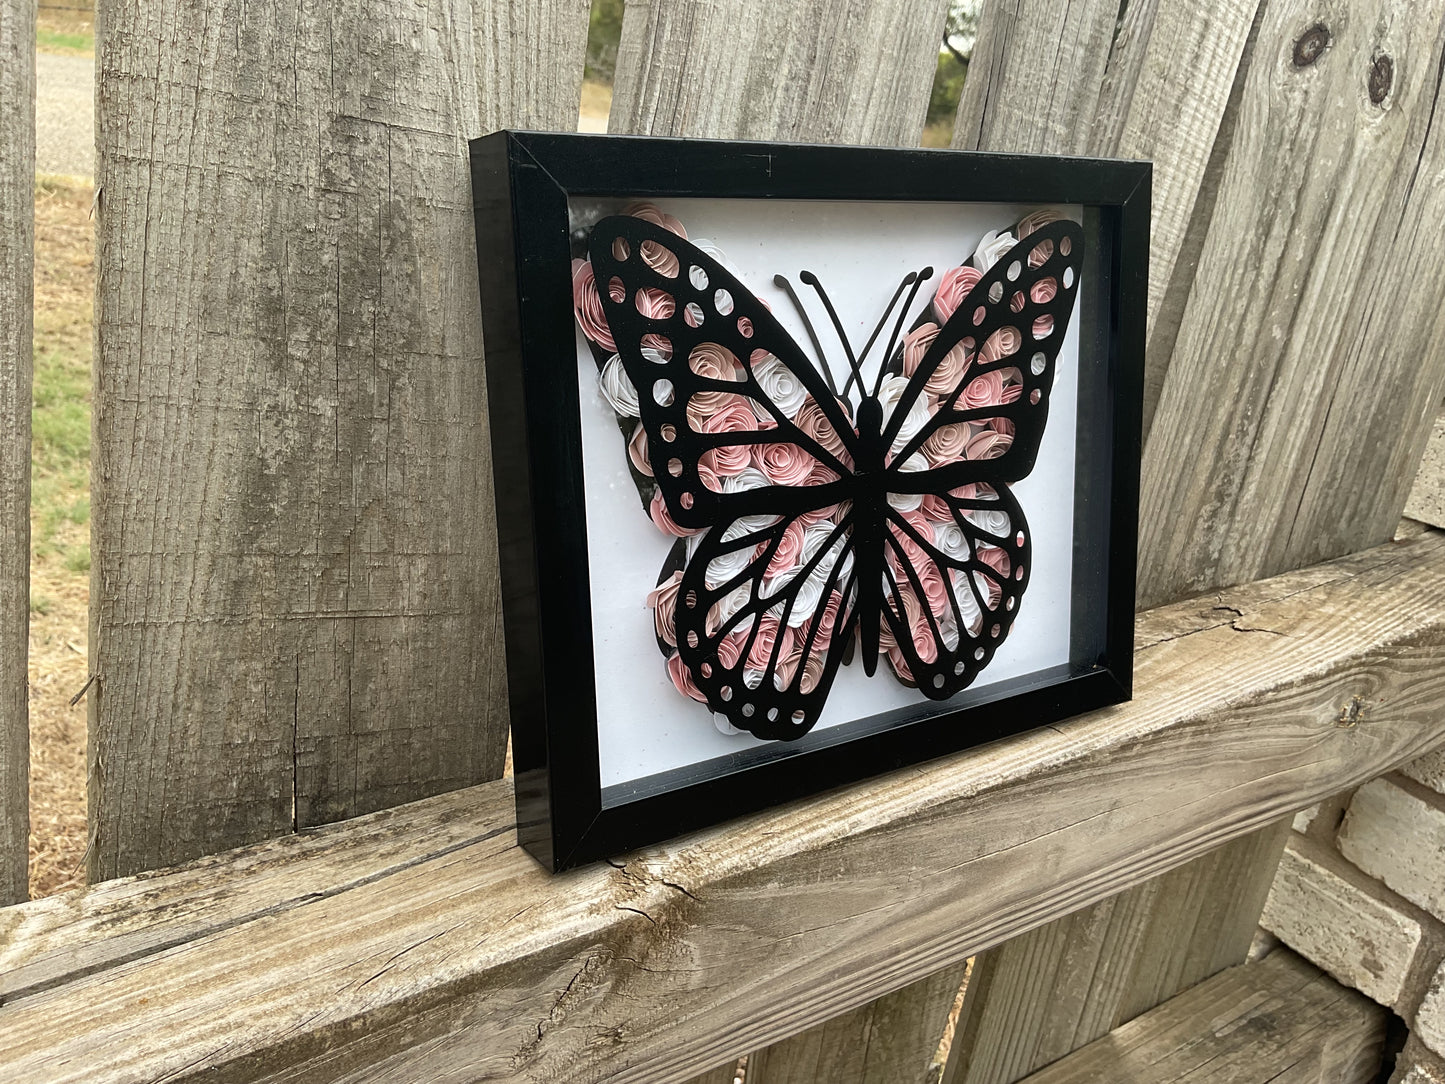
[604,31]
[947,87]
[64,42]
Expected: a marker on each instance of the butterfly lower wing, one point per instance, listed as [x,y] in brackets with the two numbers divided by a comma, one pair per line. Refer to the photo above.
[762,641]
[974,408]
[721,386]
[952,580]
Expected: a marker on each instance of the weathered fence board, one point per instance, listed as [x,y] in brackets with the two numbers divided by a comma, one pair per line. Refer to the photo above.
[703,948]
[17,243]
[829,71]
[889,1041]
[1308,358]
[1427,495]
[1037,997]
[1279,1021]
[823,71]
[294,592]
[1074,77]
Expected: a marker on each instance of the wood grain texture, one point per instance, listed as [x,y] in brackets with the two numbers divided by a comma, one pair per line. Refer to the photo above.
[1038,997]
[1426,501]
[1279,1021]
[1311,353]
[889,1041]
[1079,77]
[471,958]
[17,248]
[295,607]
[821,71]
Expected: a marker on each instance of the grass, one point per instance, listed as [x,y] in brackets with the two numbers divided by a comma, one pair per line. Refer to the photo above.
[68,33]
[60,529]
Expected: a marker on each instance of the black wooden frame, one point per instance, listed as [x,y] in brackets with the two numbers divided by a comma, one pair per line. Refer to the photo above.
[521,183]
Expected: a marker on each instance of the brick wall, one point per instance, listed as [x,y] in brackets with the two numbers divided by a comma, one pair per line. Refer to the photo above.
[1361,892]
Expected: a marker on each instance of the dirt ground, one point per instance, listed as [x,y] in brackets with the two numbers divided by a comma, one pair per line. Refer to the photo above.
[60,530]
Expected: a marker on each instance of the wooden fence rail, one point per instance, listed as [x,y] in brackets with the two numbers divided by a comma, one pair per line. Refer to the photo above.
[17,237]
[422,941]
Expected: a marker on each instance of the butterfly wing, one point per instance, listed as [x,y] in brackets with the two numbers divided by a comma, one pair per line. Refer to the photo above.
[967,419]
[698,345]
[765,612]
[974,408]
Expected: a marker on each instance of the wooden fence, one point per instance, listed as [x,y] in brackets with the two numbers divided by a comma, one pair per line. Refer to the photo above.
[294,598]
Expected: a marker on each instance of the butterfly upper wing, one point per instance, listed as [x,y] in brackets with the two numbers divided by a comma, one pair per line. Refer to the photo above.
[764,649]
[672,309]
[991,368]
[951,585]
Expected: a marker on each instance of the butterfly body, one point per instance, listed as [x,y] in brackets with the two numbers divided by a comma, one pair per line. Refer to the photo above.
[821,546]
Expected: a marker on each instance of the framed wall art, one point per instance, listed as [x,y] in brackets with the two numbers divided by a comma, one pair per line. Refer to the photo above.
[810,463]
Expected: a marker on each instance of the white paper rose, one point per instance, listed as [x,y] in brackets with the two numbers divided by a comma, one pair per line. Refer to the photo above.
[888,396]
[907,502]
[986,519]
[711,249]
[949,537]
[745,479]
[617,389]
[991,249]
[725,566]
[780,386]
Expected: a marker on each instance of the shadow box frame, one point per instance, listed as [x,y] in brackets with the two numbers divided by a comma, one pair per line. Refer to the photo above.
[522,183]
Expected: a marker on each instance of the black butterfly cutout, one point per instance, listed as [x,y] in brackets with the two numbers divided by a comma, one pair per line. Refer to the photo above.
[869,574]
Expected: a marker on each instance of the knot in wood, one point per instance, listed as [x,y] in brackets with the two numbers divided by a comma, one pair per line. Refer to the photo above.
[1382,78]
[1311,45]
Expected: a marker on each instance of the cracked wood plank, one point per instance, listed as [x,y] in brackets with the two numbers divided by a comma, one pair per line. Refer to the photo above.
[295,604]
[473,956]
[17,250]
[1038,997]
[1150,79]
[821,71]
[1279,1021]
[1311,357]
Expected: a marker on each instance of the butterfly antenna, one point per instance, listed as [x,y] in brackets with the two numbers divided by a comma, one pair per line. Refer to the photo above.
[922,277]
[812,280]
[780,281]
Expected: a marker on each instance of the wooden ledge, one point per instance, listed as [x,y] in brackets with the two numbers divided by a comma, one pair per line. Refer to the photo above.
[421,940]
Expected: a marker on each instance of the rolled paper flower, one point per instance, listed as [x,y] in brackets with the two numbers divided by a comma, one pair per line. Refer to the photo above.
[996,559]
[730,648]
[1037,220]
[906,502]
[924,641]
[781,387]
[709,248]
[734,416]
[637,451]
[950,372]
[683,679]
[724,608]
[650,213]
[967,604]
[916,344]
[947,443]
[745,327]
[1002,343]
[655,304]
[727,460]
[1001,425]
[810,591]
[783,464]
[770,634]
[949,537]
[790,548]
[663,601]
[984,390]
[744,480]
[936,509]
[812,670]
[1043,326]
[890,393]
[953,287]
[991,520]
[715,362]
[990,248]
[813,422]
[899,663]
[988,590]
[656,349]
[709,478]
[616,387]
[988,444]
[587,305]
[1045,290]
[662,260]
[657,509]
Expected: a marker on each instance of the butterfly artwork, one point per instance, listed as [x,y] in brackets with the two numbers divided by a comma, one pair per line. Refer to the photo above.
[826,515]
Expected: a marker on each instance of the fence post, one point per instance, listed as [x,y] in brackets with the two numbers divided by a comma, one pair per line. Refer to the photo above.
[851,72]
[295,597]
[17,245]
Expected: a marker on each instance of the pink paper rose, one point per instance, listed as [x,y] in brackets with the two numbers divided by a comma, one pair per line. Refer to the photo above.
[637,450]
[1002,343]
[814,423]
[790,546]
[770,634]
[655,304]
[953,287]
[587,304]
[951,370]
[784,464]
[988,444]
[650,213]
[682,678]
[664,523]
[663,601]
[916,344]
[946,445]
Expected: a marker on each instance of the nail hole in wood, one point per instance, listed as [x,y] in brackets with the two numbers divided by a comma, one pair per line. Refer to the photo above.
[1382,78]
[1311,45]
